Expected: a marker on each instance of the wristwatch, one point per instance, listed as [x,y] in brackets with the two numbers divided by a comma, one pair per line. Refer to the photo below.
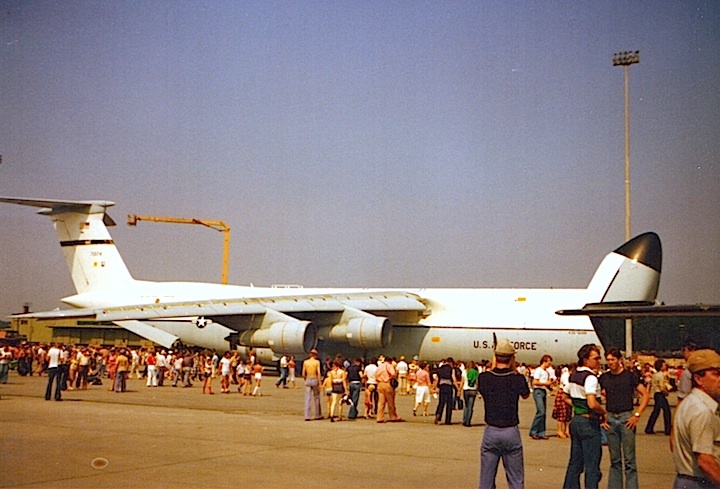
[637,415]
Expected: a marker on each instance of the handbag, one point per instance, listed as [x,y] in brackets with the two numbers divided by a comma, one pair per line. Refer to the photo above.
[394,383]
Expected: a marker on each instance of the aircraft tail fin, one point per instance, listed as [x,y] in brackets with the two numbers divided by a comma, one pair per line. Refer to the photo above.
[631,273]
[89,250]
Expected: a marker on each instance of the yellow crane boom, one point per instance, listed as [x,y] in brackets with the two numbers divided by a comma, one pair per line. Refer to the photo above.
[132,220]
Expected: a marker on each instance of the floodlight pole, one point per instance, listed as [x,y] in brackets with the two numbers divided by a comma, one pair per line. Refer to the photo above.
[625,59]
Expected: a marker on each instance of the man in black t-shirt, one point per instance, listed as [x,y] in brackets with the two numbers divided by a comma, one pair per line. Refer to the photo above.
[501,387]
[619,386]
[354,377]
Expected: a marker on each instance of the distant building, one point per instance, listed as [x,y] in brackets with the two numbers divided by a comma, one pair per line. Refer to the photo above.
[76,332]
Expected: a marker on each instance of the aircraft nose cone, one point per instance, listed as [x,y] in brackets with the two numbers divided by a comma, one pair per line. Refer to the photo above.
[645,249]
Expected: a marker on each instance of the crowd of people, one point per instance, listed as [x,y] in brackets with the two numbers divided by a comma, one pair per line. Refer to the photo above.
[592,407]
[380,379]
[70,367]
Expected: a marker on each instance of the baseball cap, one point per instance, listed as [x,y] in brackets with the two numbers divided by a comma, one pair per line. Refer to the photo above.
[504,347]
[703,359]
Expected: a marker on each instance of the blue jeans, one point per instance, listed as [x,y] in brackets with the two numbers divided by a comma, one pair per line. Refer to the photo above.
[585,453]
[120,381]
[621,444]
[505,444]
[283,377]
[355,388]
[53,376]
[4,369]
[469,396]
[661,404]
[537,428]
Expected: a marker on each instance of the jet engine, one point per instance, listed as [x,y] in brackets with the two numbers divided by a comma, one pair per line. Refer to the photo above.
[297,337]
[374,332]
[360,330]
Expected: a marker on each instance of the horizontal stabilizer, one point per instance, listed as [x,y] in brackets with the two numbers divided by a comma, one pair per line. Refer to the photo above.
[636,310]
[85,206]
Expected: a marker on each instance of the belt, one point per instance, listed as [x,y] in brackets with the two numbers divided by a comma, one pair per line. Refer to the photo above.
[701,480]
[589,416]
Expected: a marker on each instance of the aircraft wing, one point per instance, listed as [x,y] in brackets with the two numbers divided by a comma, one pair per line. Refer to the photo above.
[636,310]
[153,334]
[289,323]
[364,301]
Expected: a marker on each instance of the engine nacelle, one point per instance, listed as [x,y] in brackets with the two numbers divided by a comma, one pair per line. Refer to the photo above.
[296,337]
[359,329]
[369,332]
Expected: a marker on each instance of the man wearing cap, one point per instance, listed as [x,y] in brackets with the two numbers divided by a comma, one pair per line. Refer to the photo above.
[501,387]
[311,374]
[697,425]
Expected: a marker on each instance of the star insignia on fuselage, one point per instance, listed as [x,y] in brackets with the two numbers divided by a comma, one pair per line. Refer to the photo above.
[201,322]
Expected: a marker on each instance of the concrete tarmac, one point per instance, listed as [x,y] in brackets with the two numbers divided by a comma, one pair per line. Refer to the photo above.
[169,437]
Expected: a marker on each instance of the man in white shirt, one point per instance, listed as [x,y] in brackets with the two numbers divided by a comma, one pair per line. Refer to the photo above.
[370,370]
[5,359]
[541,384]
[402,373]
[53,361]
[283,372]
[161,367]
[225,366]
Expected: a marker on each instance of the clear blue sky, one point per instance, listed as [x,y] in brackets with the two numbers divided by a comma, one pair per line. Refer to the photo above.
[443,144]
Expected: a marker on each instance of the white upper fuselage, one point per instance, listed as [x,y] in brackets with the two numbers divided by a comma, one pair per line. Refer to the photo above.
[487,308]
